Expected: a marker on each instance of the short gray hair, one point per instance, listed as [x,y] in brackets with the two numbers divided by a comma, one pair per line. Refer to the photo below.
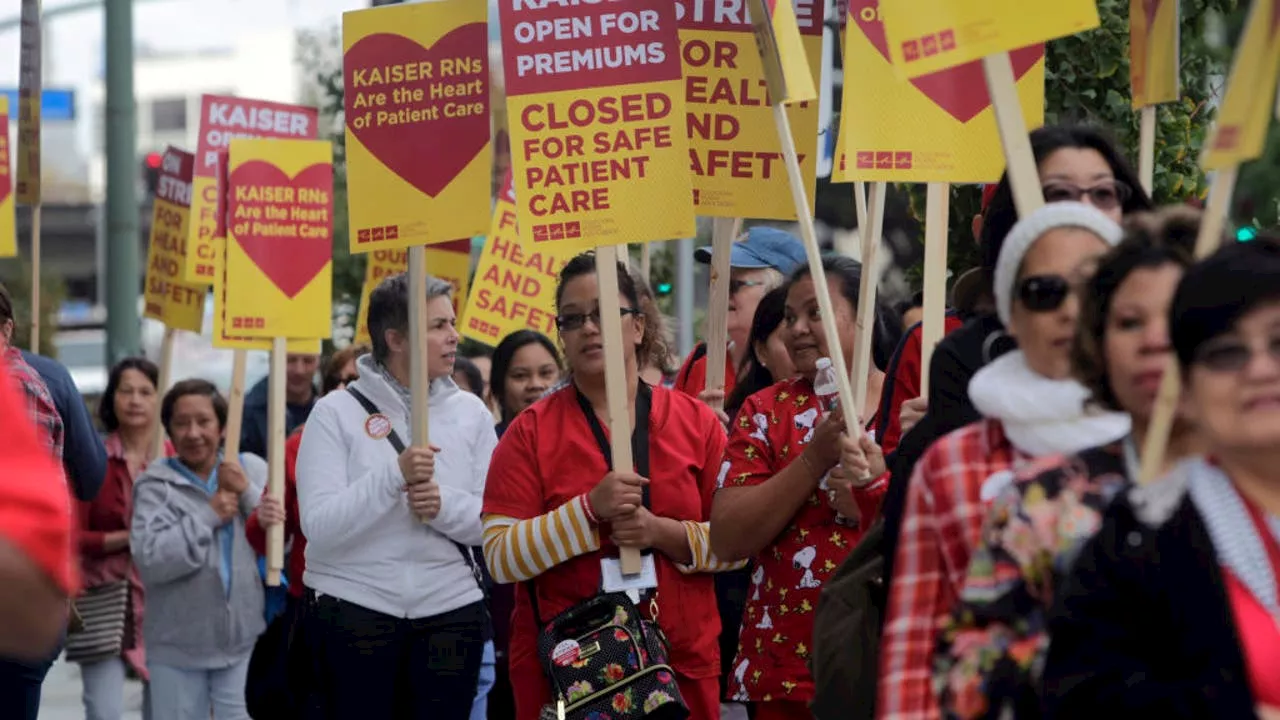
[389,308]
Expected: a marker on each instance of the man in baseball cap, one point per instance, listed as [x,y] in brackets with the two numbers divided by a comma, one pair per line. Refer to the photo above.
[760,261]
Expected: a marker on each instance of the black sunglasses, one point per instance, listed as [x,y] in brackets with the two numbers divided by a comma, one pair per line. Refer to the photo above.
[575,321]
[1107,195]
[1043,293]
[1233,356]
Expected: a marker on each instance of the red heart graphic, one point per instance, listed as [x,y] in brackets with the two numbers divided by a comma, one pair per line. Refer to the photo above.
[427,154]
[962,90]
[290,262]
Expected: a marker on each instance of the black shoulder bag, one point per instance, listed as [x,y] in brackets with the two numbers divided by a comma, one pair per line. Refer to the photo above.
[398,444]
[602,656]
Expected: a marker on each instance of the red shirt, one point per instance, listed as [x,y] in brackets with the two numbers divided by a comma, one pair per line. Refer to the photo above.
[692,378]
[770,432]
[906,383]
[292,523]
[1259,632]
[35,506]
[548,456]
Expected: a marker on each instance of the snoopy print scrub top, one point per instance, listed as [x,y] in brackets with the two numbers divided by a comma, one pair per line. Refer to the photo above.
[771,430]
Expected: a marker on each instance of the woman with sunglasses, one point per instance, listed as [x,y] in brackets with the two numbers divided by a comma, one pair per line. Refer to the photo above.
[555,513]
[1031,407]
[1171,611]
[992,648]
[1071,159]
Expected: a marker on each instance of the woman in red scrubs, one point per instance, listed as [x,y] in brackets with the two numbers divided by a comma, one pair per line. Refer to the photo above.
[553,510]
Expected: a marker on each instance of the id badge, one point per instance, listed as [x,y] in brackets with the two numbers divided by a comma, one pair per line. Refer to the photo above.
[615,581]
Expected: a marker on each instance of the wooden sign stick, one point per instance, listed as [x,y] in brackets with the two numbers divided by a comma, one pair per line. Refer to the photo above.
[810,237]
[276,420]
[723,232]
[235,407]
[646,260]
[35,277]
[419,382]
[166,370]
[615,379]
[937,218]
[1024,176]
[1212,223]
[860,204]
[866,321]
[1147,149]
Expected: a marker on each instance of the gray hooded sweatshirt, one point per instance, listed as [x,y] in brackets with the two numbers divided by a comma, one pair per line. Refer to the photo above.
[204,594]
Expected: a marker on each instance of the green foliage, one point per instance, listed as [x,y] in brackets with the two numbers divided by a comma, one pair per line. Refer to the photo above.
[1087,80]
[15,273]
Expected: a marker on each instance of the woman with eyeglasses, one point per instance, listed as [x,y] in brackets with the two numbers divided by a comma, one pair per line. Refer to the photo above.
[1171,611]
[555,513]
[1031,407]
[992,648]
[777,505]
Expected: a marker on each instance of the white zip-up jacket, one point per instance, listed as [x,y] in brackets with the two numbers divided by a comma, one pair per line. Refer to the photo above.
[364,544]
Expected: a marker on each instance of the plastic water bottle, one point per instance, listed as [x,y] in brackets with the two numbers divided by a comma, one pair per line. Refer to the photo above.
[826,386]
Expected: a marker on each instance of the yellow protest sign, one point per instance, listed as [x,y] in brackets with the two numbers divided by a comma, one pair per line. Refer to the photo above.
[734,150]
[280,238]
[515,285]
[449,261]
[416,79]
[926,36]
[1154,51]
[596,104]
[167,298]
[1240,133]
[221,120]
[223,335]
[935,128]
[777,37]
[8,222]
[30,84]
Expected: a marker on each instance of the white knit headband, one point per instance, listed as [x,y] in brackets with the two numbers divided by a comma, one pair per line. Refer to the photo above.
[1033,227]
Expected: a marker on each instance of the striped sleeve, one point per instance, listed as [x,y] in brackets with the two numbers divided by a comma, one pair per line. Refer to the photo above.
[519,550]
[704,561]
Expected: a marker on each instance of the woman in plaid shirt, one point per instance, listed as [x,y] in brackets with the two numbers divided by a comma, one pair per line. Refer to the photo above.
[1031,407]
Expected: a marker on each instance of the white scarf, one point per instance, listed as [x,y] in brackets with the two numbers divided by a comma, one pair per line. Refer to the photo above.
[1042,416]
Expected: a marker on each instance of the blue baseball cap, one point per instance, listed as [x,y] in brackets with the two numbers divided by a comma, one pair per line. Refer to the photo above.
[763,247]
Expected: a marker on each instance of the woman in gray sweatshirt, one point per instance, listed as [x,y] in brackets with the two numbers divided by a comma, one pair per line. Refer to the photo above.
[204,595]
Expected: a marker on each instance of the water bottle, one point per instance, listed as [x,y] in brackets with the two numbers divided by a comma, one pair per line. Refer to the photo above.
[826,386]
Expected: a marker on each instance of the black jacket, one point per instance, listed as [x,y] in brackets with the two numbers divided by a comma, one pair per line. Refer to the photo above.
[83,456]
[253,432]
[1143,627]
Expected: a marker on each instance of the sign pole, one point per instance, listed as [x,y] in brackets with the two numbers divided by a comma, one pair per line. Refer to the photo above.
[166,370]
[937,218]
[276,420]
[1147,149]
[861,365]
[235,406]
[723,232]
[1024,177]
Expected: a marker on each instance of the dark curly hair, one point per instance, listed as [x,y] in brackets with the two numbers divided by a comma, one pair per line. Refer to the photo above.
[1151,240]
[107,404]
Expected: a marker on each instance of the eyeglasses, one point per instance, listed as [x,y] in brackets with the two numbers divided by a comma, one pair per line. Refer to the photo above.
[1233,355]
[1043,293]
[1107,195]
[736,285]
[575,321]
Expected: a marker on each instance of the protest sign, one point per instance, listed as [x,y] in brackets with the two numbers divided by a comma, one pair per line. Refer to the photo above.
[169,299]
[416,81]
[1240,133]
[1154,51]
[30,84]
[8,222]
[926,36]
[280,238]
[449,261]
[515,285]
[223,119]
[734,149]
[596,104]
[939,127]
[777,33]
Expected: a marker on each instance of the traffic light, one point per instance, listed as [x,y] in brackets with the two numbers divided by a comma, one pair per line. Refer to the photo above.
[151,173]
[663,288]
[1246,233]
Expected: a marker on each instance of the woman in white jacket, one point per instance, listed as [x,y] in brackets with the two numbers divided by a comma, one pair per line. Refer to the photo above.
[399,623]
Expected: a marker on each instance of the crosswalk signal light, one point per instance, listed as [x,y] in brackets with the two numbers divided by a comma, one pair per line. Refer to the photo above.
[663,288]
[1246,233]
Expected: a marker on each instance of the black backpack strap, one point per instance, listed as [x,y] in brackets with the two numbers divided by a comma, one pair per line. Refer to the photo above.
[394,438]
